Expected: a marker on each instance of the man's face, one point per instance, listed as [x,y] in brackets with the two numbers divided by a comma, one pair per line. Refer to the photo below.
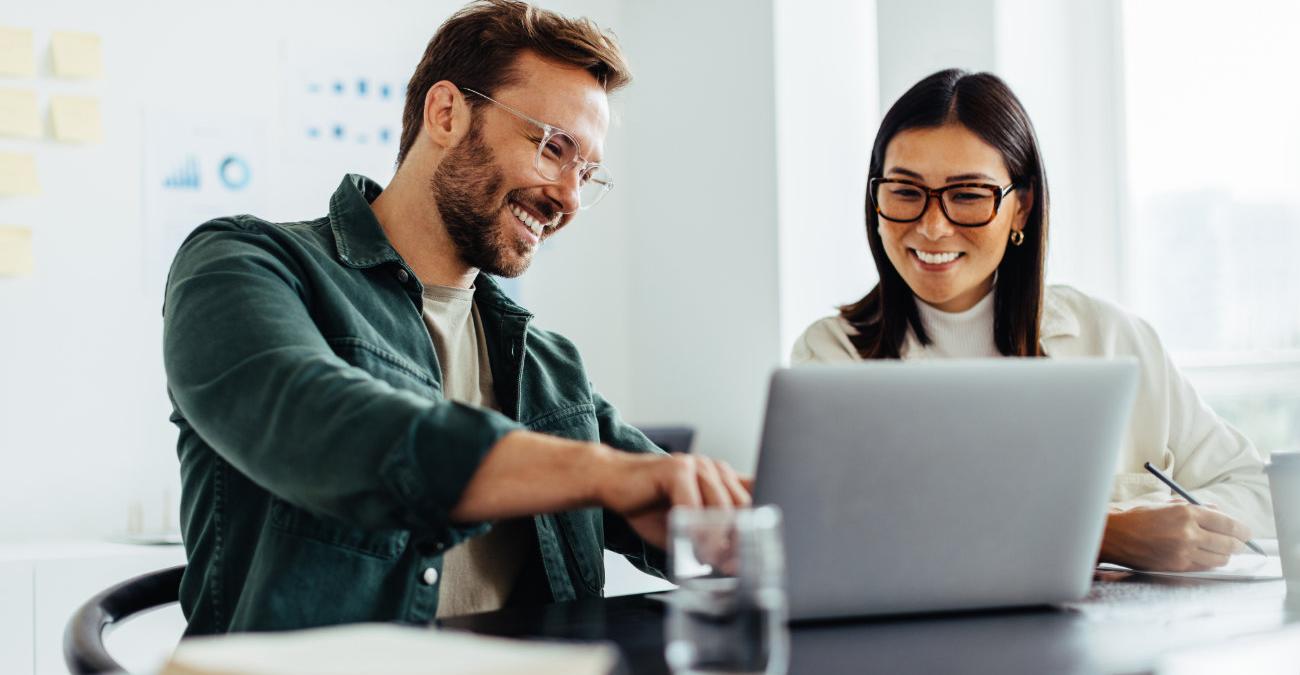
[489,179]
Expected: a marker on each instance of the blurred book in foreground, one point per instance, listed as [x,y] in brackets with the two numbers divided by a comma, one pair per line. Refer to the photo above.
[384,648]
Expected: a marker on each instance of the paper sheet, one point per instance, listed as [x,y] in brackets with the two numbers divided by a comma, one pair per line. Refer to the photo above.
[18,116]
[1243,567]
[18,175]
[384,648]
[15,251]
[76,119]
[76,55]
[17,52]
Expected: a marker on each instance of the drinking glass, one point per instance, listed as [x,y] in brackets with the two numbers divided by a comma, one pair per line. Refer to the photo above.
[728,614]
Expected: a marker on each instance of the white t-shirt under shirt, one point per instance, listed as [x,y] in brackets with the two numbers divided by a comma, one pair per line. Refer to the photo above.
[478,575]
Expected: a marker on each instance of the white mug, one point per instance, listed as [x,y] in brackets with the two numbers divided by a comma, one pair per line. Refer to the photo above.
[1284,483]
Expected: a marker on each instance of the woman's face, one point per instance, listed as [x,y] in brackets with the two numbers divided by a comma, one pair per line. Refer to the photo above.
[935,157]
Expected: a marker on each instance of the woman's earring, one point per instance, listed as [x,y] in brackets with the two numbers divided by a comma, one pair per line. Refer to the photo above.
[1017,237]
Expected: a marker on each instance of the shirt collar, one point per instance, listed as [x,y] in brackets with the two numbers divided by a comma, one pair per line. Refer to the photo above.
[1057,320]
[360,240]
[487,292]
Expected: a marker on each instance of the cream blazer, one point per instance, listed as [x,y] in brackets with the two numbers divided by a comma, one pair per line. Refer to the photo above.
[1171,426]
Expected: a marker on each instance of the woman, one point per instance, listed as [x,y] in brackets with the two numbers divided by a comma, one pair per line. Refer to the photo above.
[957,215]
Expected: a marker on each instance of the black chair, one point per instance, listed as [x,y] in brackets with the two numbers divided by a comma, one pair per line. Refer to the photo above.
[83,639]
[670,438]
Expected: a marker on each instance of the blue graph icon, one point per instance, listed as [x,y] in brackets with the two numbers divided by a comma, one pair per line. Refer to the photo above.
[234,172]
[183,177]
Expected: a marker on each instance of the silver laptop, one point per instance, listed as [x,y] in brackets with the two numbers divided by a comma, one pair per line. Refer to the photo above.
[946,485]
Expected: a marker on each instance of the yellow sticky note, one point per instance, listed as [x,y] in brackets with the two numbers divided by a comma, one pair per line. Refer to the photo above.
[76,119]
[17,52]
[15,251]
[18,175]
[76,54]
[18,116]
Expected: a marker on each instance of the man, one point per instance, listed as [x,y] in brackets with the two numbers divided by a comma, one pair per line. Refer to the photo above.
[369,429]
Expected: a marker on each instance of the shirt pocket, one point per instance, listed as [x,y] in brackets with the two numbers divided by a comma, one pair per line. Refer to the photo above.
[382,544]
[576,422]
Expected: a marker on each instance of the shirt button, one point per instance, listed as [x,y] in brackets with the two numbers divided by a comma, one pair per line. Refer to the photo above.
[430,576]
[402,275]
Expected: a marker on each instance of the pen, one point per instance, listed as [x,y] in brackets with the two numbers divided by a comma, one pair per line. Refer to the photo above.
[1190,499]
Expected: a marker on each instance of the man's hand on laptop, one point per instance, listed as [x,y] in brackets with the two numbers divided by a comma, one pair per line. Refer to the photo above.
[642,488]
[1175,537]
[527,473]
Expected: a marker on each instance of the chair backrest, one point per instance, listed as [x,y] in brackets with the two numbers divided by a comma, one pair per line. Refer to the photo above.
[83,639]
[670,438]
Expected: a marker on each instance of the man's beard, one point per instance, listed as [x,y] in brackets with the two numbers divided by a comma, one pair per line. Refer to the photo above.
[464,187]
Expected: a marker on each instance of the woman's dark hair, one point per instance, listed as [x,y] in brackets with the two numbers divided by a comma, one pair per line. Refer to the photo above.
[984,104]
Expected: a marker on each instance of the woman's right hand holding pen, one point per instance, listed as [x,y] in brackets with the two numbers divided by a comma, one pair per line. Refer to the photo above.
[1176,537]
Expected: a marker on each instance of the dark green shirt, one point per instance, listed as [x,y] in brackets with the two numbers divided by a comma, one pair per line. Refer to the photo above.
[319,458]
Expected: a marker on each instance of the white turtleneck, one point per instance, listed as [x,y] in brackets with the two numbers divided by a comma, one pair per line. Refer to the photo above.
[960,335]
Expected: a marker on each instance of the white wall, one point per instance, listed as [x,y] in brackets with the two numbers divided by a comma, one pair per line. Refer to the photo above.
[920,37]
[826,106]
[702,217]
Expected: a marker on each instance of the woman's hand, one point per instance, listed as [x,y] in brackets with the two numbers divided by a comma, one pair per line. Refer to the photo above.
[1175,537]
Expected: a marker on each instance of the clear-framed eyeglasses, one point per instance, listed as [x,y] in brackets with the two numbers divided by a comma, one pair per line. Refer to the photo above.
[964,204]
[557,154]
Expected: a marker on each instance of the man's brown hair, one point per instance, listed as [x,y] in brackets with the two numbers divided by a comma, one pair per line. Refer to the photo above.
[476,48]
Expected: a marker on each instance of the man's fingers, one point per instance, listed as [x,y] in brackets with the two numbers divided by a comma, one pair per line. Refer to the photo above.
[697,481]
[713,491]
[739,495]
[684,488]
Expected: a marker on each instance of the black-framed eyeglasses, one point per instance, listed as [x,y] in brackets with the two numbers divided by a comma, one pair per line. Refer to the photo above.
[963,204]
[557,154]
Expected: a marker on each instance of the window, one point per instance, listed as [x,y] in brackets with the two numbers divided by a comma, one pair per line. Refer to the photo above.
[1214,187]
